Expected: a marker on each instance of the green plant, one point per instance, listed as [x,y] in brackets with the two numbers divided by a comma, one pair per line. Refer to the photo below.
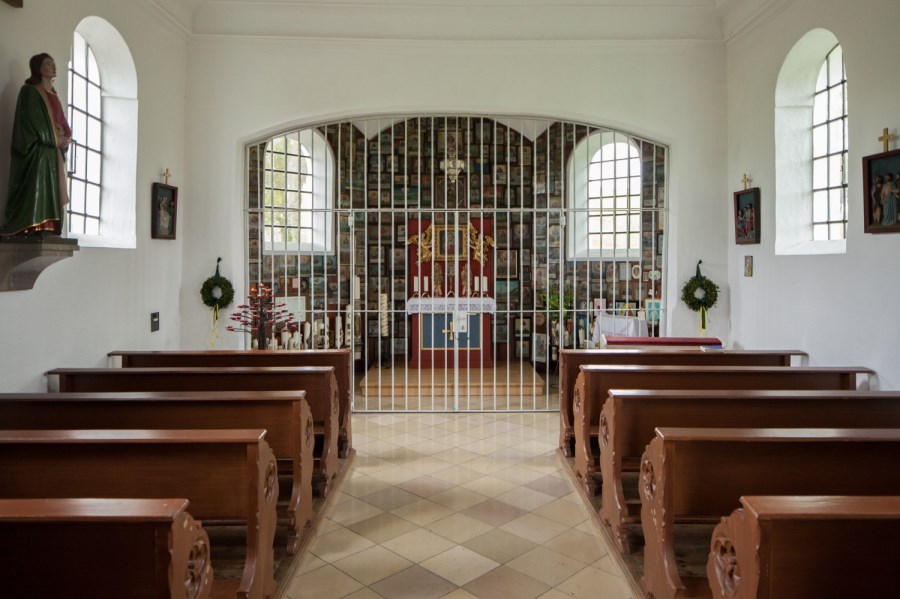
[550,296]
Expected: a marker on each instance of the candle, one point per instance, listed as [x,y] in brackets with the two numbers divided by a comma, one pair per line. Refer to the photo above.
[416,285]
[476,284]
[484,285]
[425,285]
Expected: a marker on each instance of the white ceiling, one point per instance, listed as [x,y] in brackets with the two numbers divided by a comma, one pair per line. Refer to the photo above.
[473,20]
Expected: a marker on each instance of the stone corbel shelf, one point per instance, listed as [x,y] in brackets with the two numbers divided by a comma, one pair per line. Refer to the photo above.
[23,259]
[14,3]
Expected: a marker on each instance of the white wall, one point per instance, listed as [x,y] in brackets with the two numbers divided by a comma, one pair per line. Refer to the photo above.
[242,88]
[100,300]
[841,309]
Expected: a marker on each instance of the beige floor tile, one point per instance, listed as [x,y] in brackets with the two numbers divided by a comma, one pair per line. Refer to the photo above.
[339,544]
[390,498]
[418,545]
[564,512]
[505,583]
[382,527]
[395,474]
[556,486]
[499,545]
[582,546]
[364,594]
[526,498]
[554,594]
[590,583]
[328,527]
[489,486]
[372,564]
[459,565]
[518,475]
[457,475]
[494,512]
[353,510]
[326,582]
[457,498]
[457,455]
[413,583]
[422,512]
[486,465]
[459,594]
[608,563]
[459,528]
[535,528]
[546,565]
[362,484]
[426,486]
[429,465]
[310,562]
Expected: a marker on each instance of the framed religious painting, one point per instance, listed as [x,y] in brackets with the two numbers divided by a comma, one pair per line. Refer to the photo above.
[451,242]
[507,264]
[881,192]
[746,216]
[163,211]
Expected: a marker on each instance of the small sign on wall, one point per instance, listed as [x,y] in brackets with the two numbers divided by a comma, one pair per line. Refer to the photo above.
[748,266]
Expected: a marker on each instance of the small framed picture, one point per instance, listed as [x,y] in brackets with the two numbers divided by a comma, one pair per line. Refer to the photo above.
[376,253]
[450,242]
[881,192]
[653,310]
[746,216]
[507,264]
[401,234]
[164,211]
[523,348]
[748,266]
[540,347]
[522,326]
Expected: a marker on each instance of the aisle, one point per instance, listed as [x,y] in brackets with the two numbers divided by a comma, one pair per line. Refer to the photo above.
[457,505]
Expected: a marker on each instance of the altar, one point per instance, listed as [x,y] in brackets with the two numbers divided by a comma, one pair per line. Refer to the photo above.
[449,331]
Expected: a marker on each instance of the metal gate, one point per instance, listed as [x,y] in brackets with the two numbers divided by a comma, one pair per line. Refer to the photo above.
[456,255]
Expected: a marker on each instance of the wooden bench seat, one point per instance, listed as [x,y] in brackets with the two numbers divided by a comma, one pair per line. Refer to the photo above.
[571,361]
[319,383]
[339,359]
[103,549]
[283,414]
[594,382]
[700,474]
[229,476]
[630,417]
[806,547]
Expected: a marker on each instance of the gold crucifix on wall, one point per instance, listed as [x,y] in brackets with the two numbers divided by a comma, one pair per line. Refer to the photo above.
[886,138]
[746,180]
[166,174]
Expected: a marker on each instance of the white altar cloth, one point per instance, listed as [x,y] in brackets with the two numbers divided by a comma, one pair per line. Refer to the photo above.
[419,305]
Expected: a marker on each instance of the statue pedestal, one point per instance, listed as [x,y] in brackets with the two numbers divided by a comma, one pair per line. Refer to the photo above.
[23,259]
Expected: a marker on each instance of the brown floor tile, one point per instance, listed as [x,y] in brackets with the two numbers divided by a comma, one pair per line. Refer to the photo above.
[413,583]
[505,583]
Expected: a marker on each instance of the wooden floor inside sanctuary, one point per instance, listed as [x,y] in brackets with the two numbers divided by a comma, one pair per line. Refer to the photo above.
[508,386]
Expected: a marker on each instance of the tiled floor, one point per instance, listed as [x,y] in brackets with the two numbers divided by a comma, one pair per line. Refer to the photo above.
[457,506]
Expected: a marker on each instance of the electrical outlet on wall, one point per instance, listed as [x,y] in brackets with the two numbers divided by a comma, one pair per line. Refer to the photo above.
[154,322]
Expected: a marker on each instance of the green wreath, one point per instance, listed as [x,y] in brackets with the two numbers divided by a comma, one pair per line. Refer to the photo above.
[208,291]
[698,282]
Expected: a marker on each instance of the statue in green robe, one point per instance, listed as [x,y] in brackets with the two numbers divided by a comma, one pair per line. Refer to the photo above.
[37,175]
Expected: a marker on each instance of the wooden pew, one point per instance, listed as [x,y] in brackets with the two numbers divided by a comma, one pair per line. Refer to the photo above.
[229,476]
[319,383]
[594,382]
[699,475]
[283,414]
[630,417]
[339,359]
[571,361]
[806,547]
[103,549]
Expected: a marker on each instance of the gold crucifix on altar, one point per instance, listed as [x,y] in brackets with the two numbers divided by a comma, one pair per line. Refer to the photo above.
[449,330]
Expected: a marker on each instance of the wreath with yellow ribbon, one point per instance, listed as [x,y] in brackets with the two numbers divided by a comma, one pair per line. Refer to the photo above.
[700,294]
[217,292]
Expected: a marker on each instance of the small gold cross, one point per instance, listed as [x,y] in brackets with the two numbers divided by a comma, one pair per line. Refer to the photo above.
[166,174]
[449,330]
[886,138]
[746,180]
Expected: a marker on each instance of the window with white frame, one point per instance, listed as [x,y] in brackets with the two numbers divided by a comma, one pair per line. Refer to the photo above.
[829,136]
[298,193]
[86,150]
[605,195]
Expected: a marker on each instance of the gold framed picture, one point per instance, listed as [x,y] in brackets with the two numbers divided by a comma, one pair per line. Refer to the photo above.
[451,242]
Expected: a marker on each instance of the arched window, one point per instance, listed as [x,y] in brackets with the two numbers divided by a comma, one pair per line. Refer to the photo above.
[811,148]
[86,118]
[298,193]
[103,110]
[605,198]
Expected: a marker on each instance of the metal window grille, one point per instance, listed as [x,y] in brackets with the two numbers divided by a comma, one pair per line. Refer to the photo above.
[86,150]
[829,155]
